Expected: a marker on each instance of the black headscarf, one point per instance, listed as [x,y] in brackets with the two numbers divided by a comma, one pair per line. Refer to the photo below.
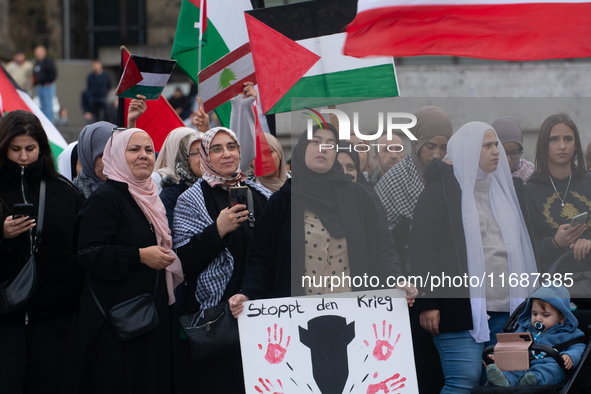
[314,191]
[346,148]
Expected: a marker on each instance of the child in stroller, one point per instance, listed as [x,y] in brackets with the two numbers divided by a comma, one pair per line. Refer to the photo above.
[548,318]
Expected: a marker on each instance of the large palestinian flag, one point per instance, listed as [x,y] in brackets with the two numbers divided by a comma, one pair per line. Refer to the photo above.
[13,98]
[297,51]
[489,29]
[225,32]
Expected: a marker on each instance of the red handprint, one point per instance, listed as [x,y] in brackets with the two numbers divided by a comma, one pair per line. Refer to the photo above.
[378,351]
[268,386]
[387,385]
[275,352]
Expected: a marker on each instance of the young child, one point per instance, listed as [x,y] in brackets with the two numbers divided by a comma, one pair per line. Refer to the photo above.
[548,317]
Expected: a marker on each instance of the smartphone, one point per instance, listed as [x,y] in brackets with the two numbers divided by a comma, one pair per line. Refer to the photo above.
[20,210]
[238,195]
[582,219]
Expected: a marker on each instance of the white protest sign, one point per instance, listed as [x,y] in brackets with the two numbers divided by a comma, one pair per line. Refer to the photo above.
[351,343]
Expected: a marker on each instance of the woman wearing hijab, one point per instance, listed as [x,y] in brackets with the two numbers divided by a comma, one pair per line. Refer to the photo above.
[469,221]
[212,241]
[559,190]
[318,224]
[91,144]
[400,188]
[511,137]
[187,169]
[125,247]
[35,340]
[68,164]
[277,178]
[165,164]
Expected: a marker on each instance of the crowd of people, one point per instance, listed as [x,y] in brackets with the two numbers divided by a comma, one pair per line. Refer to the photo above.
[124,223]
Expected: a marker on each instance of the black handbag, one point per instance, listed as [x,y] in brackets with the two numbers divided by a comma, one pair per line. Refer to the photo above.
[133,317]
[20,288]
[215,334]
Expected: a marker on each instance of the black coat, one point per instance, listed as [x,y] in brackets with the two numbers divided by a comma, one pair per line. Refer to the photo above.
[60,278]
[112,230]
[437,243]
[270,270]
[224,373]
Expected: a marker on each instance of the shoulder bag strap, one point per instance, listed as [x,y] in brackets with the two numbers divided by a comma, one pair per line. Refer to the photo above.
[40,215]
[250,207]
[99,304]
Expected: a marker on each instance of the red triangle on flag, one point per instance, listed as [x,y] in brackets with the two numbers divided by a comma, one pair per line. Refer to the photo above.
[131,77]
[278,61]
[10,99]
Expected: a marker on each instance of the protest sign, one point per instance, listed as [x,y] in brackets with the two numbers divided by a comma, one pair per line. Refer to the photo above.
[350,343]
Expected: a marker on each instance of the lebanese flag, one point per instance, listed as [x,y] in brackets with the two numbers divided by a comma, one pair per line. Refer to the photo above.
[488,29]
[13,98]
[158,120]
[225,78]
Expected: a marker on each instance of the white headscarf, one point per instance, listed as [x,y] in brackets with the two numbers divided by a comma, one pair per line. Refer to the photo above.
[64,161]
[463,149]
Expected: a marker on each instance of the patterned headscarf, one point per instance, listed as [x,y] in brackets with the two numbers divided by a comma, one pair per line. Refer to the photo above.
[182,167]
[165,163]
[211,176]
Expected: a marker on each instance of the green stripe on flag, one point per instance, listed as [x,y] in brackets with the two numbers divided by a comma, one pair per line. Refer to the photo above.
[55,151]
[185,49]
[151,92]
[370,83]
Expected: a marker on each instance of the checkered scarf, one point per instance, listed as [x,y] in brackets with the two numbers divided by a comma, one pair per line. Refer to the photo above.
[191,217]
[399,190]
[209,174]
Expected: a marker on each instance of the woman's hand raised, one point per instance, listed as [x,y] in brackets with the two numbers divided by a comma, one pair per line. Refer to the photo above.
[15,227]
[230,219]
[156,257]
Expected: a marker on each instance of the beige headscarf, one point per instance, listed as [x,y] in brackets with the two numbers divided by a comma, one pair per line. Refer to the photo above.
[274,184]
[431,121]
[165,162]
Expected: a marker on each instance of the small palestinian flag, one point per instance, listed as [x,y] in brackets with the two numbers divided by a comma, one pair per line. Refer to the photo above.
[297,50]
[225,78]
[146,76]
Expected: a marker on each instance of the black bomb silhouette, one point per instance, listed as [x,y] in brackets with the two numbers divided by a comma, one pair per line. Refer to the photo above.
[328,337]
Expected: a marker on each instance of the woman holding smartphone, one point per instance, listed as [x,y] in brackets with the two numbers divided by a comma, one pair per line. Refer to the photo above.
[469,221]
[35,342]
[559,190]
[212,240]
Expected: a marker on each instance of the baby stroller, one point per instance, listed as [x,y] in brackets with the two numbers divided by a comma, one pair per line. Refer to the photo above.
[578,380]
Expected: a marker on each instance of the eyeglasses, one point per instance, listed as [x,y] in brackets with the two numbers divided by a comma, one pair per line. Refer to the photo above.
[515,154]
[195,152]
[218,149]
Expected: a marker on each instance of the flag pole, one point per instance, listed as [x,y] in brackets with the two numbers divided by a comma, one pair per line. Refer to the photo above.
[200,36]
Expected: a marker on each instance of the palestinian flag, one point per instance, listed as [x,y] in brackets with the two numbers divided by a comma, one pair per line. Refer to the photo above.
[225,78]
[488,29]
[225,32]
[297,53]
[158,120]
[12,97]
[146,76]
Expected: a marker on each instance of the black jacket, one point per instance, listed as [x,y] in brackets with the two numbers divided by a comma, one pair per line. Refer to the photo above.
[547,214]
[113,229]
[438,245]
[274,269]
[44,71]
[60,279]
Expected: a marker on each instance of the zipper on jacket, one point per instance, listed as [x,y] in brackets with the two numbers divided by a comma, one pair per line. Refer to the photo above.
[23,185]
